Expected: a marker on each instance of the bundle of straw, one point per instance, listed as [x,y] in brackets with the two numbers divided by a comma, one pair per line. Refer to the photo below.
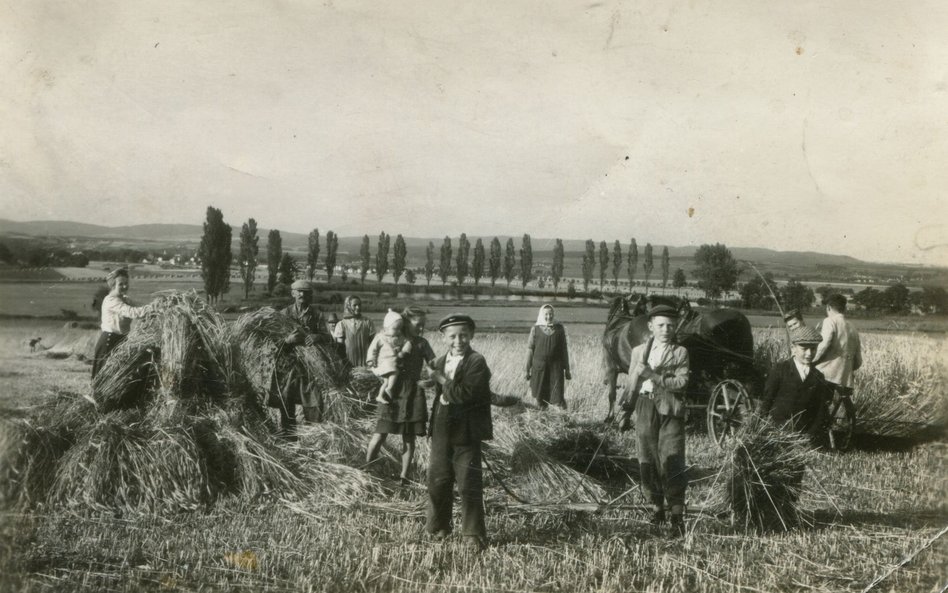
[175,423]
[180,349]
[761,481]
[265,358]
[529,444]
[899,391]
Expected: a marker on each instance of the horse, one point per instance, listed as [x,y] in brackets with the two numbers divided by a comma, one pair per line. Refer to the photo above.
[719,342]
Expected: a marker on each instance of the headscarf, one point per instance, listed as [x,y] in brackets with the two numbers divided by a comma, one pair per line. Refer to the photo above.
[540,320]
[347,306]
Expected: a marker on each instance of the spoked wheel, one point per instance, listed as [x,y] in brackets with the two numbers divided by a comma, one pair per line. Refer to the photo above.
[727,407]
[842,423]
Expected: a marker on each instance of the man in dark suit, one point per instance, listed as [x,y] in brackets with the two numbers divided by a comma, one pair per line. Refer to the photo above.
[460,421]
[796,392]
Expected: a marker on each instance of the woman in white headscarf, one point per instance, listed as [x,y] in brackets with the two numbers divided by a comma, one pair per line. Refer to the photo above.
[547,360]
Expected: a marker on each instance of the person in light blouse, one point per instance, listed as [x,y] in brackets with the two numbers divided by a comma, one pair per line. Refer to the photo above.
[117,314]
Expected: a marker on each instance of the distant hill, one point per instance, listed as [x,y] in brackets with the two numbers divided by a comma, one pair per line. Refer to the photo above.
[176,234]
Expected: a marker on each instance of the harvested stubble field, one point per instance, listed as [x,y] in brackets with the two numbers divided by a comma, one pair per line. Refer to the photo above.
[869,509]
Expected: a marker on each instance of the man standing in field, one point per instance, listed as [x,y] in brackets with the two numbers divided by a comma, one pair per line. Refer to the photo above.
[460,422]
[290,390]
[658,375]
[839,354]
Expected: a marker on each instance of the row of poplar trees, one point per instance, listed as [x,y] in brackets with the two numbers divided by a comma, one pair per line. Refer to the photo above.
[494,262]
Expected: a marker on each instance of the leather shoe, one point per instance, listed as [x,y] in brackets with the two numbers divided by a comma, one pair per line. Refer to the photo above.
[440,535]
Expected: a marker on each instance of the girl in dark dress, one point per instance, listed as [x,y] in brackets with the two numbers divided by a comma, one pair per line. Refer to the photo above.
[547,360]
[407,414]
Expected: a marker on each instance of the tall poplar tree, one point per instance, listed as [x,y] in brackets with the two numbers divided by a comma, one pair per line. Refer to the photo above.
[603,264]
[215,254]
[589,263]
[648,264]
[274,254]
[464,252]
[557,269]
[666,264]
[477,266]
[312,256]
[365,255]
[632,262]
[616,264]
[444,270]
[429,262]
[510,261]
[398,258]
[495,261]
[332,248]
[526,260]
[381,255]
[249,249]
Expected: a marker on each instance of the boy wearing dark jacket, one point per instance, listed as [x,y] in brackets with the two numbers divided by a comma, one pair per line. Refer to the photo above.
[796,391]
[460,422]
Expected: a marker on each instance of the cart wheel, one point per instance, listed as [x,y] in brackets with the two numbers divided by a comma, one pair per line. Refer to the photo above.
[727,406]
[842,424]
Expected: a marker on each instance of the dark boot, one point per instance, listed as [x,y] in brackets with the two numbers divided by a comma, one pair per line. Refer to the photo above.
[677,528]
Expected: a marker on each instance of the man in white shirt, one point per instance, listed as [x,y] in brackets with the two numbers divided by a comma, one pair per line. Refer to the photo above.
[839,354]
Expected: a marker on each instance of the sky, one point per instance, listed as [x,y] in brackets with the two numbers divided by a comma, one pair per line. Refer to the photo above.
[806,126]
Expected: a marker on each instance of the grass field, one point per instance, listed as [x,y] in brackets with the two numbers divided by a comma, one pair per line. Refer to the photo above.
[872,509]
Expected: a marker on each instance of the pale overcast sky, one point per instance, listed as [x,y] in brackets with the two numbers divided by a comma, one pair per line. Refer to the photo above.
[789,125]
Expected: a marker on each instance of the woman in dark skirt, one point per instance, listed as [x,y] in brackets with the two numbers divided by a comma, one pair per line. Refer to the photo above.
[407,414]
[117,315]
[547,360]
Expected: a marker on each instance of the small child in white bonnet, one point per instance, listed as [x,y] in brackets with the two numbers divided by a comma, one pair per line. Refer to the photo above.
[387,347]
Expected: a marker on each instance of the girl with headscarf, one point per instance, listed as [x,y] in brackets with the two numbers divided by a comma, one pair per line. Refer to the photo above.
[547,360]
[354,332]
[117,314]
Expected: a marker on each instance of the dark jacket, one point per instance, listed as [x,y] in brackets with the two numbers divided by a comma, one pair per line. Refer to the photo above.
[312,321]
[469,394]
[787,398]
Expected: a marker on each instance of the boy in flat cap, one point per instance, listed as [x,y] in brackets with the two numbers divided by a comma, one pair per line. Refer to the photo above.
[658,375]
[460,422]
[293,391]
[796,392]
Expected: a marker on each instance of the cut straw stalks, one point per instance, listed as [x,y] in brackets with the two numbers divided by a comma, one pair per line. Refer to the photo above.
[544,458]
[762,480]
[176,423]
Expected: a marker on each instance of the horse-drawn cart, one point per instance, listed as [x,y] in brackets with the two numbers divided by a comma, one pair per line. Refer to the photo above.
[723,378]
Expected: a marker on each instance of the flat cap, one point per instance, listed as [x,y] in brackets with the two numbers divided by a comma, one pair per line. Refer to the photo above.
[662,310]
[301,285]
[456,319]
[805,335]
